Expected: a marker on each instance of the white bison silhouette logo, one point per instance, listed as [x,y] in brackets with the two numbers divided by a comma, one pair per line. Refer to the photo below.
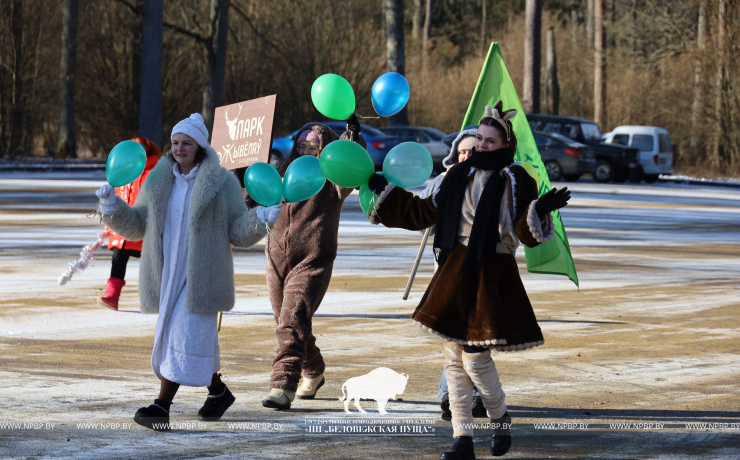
[381,385]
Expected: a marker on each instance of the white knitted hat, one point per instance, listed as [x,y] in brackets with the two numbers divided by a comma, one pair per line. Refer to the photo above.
[194,127]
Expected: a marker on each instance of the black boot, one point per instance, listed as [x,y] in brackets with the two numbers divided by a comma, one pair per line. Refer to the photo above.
[479,411]
[446,413]
[461,449]
[216,405]
[501,438]
[155,417]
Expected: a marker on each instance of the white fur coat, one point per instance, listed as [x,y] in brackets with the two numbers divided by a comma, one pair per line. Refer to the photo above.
[217,218]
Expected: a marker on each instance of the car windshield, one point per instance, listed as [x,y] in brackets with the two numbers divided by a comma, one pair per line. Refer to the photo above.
[591,132]
[435,134]
[566,140]
[366,129]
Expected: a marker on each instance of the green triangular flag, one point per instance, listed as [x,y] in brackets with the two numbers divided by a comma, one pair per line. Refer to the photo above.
[494,83]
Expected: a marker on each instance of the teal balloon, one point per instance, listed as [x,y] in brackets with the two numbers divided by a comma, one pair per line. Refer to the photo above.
[303,179]
[263,184]
[368,198]
[408,165]
[125,163]
[333,96]
[346,164]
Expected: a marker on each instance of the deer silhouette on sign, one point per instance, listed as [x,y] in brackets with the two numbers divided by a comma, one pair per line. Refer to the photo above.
[232,123]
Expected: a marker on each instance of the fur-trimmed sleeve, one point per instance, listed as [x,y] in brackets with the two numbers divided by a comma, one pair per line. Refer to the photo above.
[530,231]
[401,209]
[129,221]
[244,228]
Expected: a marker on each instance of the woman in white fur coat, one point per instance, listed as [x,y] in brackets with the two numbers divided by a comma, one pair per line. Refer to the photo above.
[189,213]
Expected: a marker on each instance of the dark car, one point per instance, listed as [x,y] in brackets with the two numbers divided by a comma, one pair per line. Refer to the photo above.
[564,157]
[613,162]
[430,138]
[378,143]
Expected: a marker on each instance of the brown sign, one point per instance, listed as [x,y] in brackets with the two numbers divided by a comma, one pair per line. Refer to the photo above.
[242,132]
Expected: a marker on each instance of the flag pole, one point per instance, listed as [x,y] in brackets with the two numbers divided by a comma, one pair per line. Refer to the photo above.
[416,262]
[218,324]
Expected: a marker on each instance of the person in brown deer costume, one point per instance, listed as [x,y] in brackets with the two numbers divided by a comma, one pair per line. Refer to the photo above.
[299,265]
[476,301]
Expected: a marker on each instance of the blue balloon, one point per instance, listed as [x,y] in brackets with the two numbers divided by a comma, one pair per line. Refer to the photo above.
[408,165]
[390,94]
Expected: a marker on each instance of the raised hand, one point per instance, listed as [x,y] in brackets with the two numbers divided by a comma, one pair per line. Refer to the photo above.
[552,200]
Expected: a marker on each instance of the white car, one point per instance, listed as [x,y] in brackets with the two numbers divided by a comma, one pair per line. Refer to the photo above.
[654,149]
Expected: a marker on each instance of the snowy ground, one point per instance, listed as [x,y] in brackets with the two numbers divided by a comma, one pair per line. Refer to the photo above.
[650,340]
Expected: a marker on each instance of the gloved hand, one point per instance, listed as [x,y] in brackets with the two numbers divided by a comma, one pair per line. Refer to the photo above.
[353,126]
[107,197]
[552,200]
[270,213]
[377,183]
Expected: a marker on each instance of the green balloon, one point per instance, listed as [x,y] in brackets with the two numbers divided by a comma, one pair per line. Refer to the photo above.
[125,163]
[333,96]
[346,164]
[303,179]
[263,183]
[368,198]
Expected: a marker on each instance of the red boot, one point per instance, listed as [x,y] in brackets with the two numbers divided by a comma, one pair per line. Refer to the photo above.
[112,294]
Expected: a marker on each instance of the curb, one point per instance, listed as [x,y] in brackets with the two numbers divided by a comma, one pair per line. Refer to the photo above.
[711,183]
[52,168]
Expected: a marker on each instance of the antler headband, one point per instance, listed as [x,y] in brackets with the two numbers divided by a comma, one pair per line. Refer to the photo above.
[495,113]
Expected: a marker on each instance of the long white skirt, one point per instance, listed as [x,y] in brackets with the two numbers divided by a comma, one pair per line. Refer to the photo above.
[186,345]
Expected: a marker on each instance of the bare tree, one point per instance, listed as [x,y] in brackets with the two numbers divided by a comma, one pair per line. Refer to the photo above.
[698,106]
[532,51]
[427,34]
[714,159]
[599,65]
[395,53]
[417,22]
[150,94]
[66,139]
[216,54]
[552,89]
[590,23]
[482,27]
[17,131]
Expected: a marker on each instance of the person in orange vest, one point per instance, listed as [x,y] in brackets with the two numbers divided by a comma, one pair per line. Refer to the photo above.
[122,248]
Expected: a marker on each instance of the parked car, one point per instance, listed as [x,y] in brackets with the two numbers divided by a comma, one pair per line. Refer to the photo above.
[564,157]
[613,162]
[378,143]
[430,138]
[654,149]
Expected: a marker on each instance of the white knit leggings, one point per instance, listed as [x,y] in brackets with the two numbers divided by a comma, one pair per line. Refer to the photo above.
[464,370]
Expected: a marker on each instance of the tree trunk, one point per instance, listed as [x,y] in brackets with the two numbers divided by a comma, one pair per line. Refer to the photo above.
[17,131]
[697,111]
[482,50]
[216,59]
[66,139]
[532,50]
[395,49]
[590,23]
[137,31]
[427,35]
[714,160]
[150,96]
[599,66]
[552,89]
[418,23]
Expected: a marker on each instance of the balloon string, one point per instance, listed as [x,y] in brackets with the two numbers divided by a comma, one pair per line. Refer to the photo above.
[372,203]
[272,234]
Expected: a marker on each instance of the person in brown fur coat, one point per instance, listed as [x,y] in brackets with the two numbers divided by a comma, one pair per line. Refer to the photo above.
[476,301]
[299,264]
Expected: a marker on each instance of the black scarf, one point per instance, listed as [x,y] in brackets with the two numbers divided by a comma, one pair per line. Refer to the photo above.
[484,234]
